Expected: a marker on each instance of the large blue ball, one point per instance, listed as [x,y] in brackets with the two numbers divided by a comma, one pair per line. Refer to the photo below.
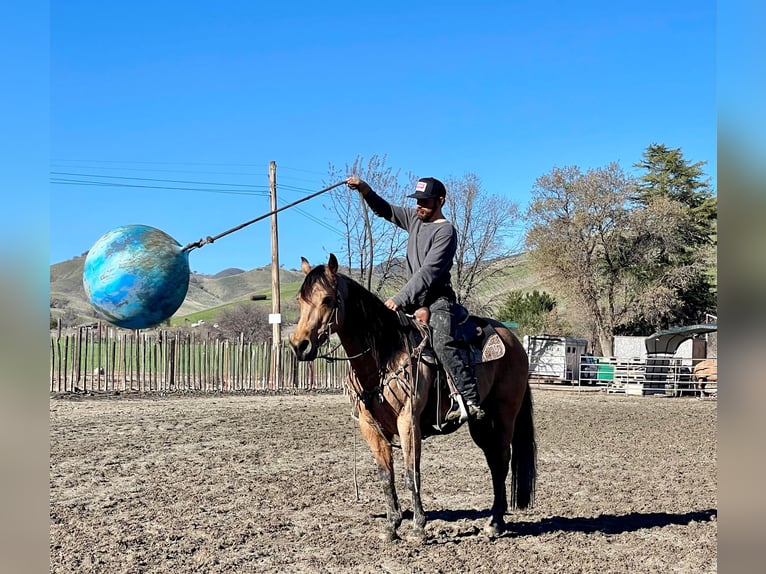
[136,276]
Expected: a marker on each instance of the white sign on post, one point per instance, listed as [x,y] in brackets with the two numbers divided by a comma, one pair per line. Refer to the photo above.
[275,318]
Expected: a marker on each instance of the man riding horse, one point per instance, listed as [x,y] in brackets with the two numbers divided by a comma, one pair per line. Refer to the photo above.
[431,247]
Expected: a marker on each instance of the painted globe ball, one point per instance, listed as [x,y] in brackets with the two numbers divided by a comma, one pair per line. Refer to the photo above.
[136,276]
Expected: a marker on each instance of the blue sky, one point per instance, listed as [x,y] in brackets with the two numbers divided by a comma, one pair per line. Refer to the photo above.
[211,92]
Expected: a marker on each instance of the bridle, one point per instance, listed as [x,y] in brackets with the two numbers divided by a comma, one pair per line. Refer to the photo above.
[328,329]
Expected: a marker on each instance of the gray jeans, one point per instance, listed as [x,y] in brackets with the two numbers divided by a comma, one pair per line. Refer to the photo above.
[454,355]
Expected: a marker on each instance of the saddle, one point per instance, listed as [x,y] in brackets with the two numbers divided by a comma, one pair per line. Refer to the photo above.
[476,333]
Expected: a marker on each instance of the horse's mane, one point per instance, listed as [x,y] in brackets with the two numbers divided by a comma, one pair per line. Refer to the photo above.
[316,276]
[365,317]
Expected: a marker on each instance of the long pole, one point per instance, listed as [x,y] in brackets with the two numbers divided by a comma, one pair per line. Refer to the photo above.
[276,338]
[209,239]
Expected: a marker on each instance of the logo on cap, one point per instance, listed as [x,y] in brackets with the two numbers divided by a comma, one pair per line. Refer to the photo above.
[421,186]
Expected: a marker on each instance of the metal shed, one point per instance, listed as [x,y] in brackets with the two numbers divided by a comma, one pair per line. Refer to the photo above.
[667,342]
[664,372]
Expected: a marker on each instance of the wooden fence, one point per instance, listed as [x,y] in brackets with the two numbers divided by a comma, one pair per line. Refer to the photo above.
[112,360]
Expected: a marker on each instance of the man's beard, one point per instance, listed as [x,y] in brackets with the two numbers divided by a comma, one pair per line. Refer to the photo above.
[425,216]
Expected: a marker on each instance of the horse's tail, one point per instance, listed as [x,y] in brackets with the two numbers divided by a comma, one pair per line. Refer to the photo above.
[524,455]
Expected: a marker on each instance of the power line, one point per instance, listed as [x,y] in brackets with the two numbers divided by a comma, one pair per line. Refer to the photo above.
[66,167]
[156,170]
[62,181]
[295,188]
[115,184]
[220,164]
[97,183]
[191,182]
[157,162]
[318,221]
[158,180]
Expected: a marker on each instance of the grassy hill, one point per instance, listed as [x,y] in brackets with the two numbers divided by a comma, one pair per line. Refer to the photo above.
[514,272]
[209,294]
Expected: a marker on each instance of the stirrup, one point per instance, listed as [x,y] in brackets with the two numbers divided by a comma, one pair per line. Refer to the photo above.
[457,410]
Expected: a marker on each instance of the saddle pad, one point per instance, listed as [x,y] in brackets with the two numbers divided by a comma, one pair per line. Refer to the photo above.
[493,348]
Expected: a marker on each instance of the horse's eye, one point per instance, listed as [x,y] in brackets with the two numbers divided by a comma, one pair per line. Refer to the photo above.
[327,301]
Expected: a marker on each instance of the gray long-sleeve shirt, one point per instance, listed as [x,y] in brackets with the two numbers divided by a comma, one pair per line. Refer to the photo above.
[431,248]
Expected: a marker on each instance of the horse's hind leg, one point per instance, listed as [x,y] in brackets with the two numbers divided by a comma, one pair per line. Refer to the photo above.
[496,447]
[381,452]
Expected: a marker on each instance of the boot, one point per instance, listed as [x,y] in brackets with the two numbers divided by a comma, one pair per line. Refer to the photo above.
[475,412]
[470,394]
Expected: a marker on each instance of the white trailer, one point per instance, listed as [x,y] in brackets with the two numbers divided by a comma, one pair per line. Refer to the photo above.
[554,359]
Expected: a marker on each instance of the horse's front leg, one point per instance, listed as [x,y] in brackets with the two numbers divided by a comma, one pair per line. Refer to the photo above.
[409,433]
[381,452]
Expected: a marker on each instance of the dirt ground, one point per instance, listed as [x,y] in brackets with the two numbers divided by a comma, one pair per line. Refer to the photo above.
[267,484]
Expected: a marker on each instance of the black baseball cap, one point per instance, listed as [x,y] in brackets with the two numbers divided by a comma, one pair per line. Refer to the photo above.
[427,188]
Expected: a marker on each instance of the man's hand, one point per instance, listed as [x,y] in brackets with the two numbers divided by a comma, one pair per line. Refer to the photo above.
[356,183]
[423,314]
[391,305]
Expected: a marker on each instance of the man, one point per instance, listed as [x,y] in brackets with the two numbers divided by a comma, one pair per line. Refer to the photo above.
[431,246]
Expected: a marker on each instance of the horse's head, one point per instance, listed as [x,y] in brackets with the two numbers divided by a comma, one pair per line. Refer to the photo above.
[318,301]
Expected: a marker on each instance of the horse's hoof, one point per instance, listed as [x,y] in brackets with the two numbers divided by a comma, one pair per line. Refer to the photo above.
[389,535]
[417,534]
[494,529]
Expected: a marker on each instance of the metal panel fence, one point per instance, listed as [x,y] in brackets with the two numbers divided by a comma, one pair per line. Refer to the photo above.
[657,374]
[110,360]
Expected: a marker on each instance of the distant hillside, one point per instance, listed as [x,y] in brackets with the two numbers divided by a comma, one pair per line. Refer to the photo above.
[515,273]
[208,293]
[228,272]
[67,294]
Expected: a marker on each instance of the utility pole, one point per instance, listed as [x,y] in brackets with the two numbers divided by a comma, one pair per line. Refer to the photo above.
[276,317]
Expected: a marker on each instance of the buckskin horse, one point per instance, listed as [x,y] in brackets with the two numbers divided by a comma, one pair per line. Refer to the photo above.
[393,383]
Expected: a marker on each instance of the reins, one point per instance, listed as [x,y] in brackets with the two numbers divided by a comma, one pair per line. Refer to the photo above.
[328,356]
[332,359]
[415,360]
[406,374]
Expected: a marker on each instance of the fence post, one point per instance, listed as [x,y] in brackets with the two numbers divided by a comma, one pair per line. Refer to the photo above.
[78,354]
[66,357]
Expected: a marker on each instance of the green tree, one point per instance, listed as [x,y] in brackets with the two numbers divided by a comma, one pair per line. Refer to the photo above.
[673,261]
[535,312]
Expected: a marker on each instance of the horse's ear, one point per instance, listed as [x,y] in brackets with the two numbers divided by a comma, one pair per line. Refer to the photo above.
[332,264]
[305,267]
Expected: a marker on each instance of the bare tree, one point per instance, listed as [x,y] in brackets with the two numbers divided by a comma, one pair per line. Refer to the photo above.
[485,225]
[373,246]
[579,225]
[244,319]
[485,228]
